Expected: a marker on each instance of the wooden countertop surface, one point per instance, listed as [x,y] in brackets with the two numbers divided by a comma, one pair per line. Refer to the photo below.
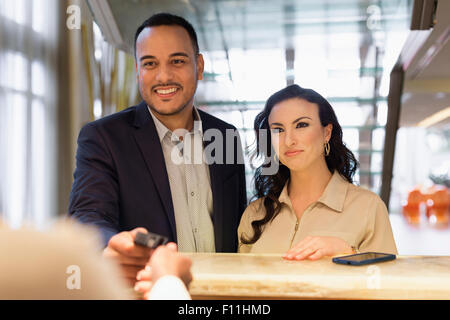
[250,276]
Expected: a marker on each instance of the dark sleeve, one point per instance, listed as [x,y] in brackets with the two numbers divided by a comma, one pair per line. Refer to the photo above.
[94,195]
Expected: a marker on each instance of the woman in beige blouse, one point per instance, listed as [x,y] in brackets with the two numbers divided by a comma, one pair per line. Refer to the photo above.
[310,208]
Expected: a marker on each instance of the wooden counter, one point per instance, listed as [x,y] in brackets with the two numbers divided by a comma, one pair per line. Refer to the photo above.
[249,276]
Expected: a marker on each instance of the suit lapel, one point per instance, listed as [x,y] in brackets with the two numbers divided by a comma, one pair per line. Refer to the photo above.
[216,176]
[150,146]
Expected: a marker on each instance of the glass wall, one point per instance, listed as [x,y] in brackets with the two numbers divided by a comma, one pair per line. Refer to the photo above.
[343,51]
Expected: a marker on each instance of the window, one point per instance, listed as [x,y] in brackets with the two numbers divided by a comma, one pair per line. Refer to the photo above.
[27,100]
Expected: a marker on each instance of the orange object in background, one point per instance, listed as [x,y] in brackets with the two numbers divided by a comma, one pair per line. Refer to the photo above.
[411,208]
[411,214]
[438,202]
[435,201]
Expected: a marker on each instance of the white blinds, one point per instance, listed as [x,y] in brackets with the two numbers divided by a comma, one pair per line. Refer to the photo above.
[28,38]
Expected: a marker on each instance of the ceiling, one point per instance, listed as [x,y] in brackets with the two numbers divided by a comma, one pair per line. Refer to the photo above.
[295,27]
[427,75]
[252,24]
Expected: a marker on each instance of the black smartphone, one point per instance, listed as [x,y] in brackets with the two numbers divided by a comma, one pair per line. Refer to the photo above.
[150,240]
[364,258]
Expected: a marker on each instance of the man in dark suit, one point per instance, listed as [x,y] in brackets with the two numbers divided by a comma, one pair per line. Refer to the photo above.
[127,180]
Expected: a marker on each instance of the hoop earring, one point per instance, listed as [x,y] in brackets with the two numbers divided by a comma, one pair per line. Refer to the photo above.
[327,149]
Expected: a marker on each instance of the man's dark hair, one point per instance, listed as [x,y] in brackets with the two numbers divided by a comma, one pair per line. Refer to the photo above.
[167,19]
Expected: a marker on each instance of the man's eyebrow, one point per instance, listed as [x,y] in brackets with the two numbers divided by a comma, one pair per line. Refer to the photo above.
[179,54]
[175,54]
[146,57]
[296,120]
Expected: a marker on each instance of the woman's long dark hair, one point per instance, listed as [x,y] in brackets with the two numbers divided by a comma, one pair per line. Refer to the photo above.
[269,187]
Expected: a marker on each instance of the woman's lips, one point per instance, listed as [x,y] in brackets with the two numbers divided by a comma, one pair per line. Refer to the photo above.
[292,153]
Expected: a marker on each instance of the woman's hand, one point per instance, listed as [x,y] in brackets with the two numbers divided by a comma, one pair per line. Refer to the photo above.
[315,248]
[165,260]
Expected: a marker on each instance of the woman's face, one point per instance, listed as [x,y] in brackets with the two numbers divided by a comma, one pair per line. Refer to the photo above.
[297,135]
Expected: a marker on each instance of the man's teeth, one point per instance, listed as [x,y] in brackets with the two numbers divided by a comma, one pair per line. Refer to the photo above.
[166,91]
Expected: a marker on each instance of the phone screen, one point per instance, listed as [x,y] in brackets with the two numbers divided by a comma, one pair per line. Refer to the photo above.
[365,256]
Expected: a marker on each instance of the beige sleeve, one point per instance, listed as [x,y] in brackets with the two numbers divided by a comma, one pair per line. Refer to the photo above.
[379,236]
[245,228]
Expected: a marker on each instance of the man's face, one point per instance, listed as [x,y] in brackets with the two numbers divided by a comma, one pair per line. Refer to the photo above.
[167,69]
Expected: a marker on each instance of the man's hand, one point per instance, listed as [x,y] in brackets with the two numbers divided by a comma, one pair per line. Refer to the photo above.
[164,261]
[127,254]
[315,248]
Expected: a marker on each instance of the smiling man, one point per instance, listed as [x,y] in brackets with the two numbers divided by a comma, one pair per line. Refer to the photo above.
[168,67]
[126,177]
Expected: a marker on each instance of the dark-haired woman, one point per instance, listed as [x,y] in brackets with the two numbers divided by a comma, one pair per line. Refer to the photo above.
[310,208]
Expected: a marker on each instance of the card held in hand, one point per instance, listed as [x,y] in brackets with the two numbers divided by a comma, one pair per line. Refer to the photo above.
[150,240]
